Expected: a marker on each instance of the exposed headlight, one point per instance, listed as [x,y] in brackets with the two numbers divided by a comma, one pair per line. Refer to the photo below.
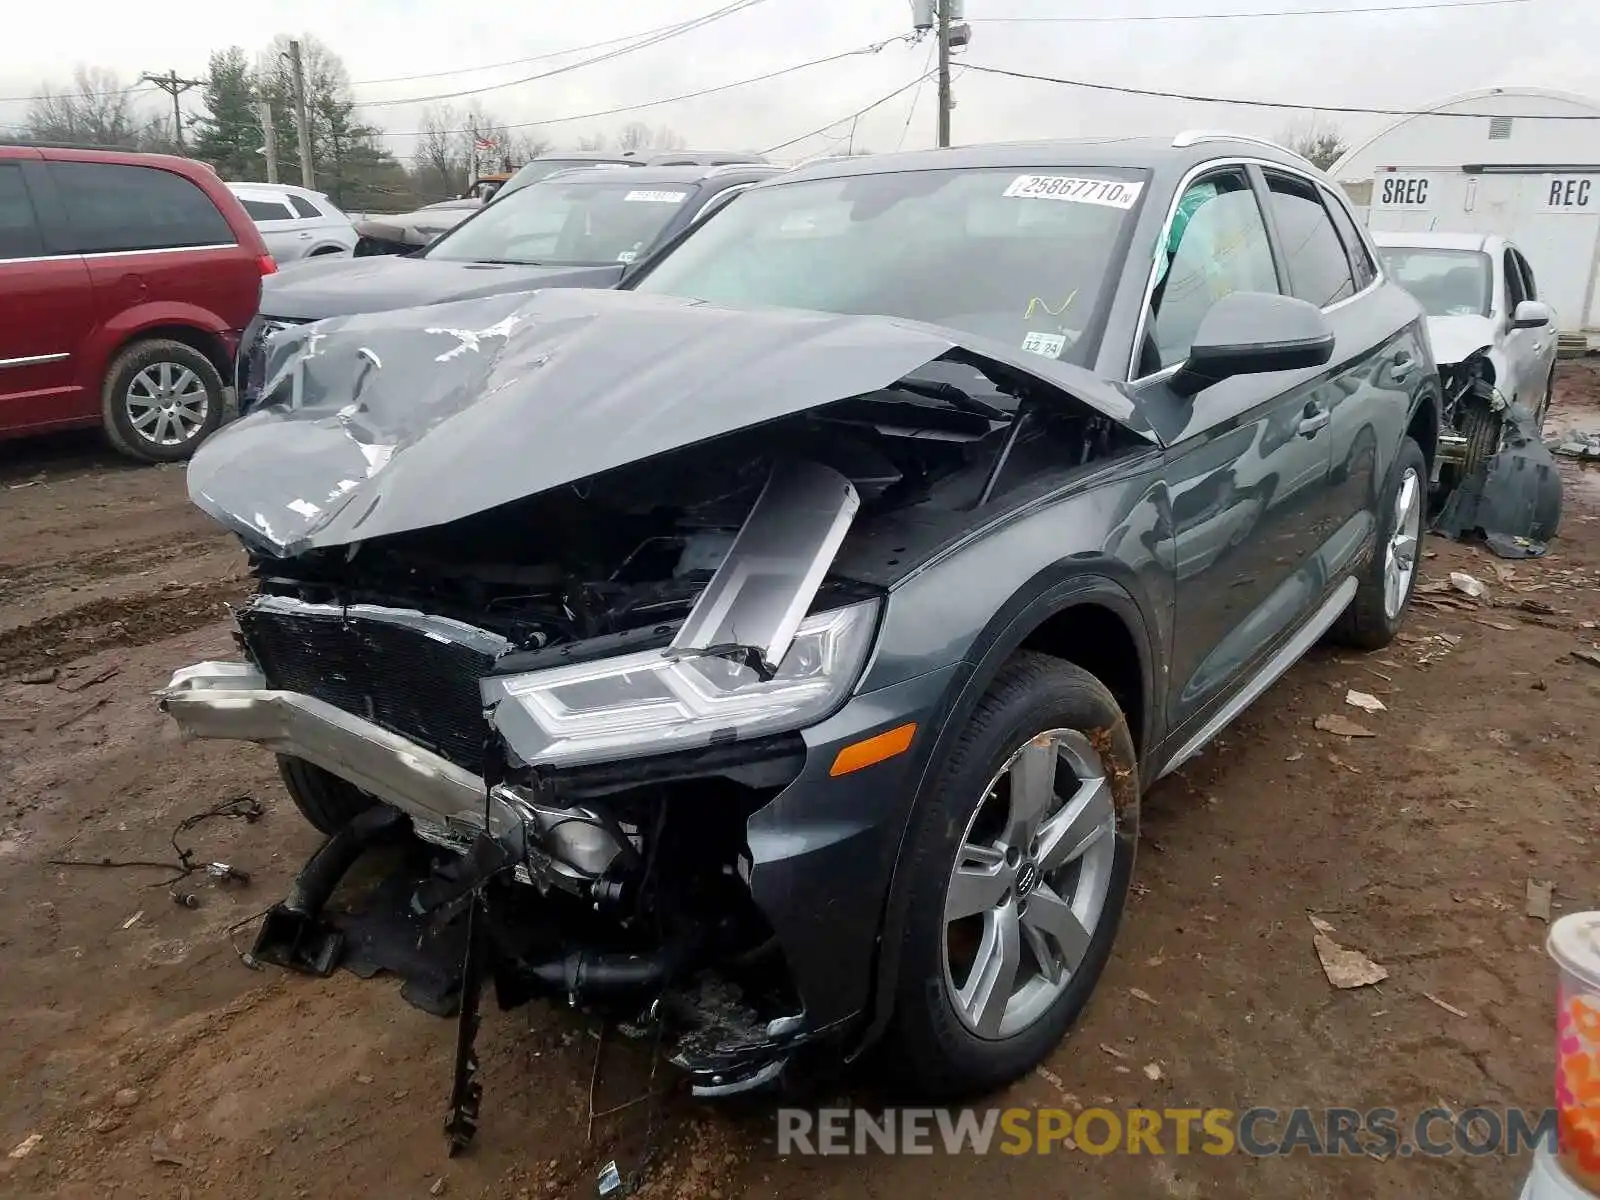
[645,703]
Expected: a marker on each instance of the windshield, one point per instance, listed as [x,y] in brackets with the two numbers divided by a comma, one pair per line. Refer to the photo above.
[561,223]
[1447,283]
[995,252]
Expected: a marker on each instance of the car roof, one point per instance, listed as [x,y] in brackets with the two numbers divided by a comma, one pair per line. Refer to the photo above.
[282,189]
[1147,153]
[1434,241]
[682,175]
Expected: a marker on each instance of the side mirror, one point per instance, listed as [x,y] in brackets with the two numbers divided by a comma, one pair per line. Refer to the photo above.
[1253,333]
[1531,314]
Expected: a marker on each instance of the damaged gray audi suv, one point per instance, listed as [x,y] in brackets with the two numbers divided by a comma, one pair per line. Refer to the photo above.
[780,646]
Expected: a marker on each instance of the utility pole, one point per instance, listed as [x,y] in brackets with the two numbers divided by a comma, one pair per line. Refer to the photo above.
[302,118]
[944,72]
[269,138]
[171,84]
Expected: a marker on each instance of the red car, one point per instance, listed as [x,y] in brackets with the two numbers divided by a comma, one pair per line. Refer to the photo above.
[125,282]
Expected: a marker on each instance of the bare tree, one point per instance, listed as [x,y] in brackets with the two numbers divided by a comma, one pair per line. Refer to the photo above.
[1315,140]
[593,142]
[636,137]
[98,110]
[438,155]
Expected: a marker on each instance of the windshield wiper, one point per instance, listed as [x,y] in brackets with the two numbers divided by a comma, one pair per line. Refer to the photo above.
[506,262]
[952,395]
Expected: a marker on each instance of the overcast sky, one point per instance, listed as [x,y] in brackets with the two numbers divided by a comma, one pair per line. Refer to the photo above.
[1395,59]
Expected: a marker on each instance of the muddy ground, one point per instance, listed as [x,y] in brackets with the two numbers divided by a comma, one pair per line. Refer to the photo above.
[150,1062]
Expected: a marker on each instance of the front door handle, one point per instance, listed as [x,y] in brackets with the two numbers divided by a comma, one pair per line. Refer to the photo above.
[1402,366]
[1313,421]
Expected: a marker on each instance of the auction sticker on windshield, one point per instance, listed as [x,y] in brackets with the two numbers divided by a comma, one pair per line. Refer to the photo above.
[646,197]
[1109,192]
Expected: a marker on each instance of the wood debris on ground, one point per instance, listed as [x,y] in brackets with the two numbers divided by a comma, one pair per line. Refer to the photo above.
[1344,968]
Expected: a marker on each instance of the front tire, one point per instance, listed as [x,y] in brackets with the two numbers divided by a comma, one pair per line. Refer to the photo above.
[1384,595]
[1019,871]
[160,400]
[326,801]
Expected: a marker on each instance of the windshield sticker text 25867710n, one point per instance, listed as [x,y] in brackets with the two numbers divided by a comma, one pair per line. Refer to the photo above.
[1108,192]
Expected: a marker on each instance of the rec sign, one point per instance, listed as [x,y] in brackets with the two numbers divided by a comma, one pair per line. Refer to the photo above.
[1569,194]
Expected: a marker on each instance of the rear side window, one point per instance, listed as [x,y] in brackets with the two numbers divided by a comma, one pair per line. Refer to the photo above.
[19,228]
[304,207]
[266,210]
[1318,269]
[1360,260]
[113,206]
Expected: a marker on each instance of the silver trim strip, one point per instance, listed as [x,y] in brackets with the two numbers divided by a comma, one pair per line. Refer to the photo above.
[121,253]
[33,360]
[1189,176]
[1289,654]
[441,629]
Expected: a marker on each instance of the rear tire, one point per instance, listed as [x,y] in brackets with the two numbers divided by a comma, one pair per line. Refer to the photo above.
[1374,616]
[160,400]
[943,1042]
[325,800]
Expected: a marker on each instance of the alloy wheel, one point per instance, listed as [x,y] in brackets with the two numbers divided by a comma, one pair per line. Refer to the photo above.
[1029,885]
[1400,555]
[167,404]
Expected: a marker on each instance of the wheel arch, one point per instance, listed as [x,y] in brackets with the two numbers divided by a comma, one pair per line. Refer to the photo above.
[1087,618]
[196,338]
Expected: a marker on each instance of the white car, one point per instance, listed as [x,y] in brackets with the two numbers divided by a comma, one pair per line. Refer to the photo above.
[295,221]
[1485,318]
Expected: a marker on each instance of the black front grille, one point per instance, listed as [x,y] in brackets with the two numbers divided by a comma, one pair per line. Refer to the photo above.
[395,676]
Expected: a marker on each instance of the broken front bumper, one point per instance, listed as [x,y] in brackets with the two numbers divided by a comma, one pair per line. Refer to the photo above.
[822,850]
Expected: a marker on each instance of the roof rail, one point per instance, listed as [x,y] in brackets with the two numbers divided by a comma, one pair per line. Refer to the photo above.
[724,168]
[1193,137]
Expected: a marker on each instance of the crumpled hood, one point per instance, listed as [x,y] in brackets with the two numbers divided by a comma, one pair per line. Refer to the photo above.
[336,287]
[390,422]
[1456,337]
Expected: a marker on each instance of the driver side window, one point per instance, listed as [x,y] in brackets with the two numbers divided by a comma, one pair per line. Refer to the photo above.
[1216,245]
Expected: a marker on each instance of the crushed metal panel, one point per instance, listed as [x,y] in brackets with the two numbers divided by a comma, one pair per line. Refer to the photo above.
[566,383]
[764,587]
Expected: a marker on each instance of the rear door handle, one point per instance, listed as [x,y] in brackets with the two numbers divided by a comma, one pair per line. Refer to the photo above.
[1314,420]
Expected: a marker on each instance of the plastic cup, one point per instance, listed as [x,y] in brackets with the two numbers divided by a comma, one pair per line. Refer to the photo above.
[1574,944]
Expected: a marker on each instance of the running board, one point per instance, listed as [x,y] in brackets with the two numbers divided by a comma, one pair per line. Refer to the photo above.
[1288,654]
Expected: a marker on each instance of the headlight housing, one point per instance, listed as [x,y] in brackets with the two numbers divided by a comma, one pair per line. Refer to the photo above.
[646,703]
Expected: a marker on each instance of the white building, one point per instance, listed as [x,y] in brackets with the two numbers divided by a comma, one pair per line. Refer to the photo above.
[1520,162]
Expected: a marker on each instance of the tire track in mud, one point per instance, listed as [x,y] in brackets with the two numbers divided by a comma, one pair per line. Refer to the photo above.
[22,582]
[118,621]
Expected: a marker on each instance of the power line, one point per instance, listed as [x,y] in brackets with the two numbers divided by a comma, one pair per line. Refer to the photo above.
[1238,16]
[73,93]
[871,48]
[860,112]
[671,31]
[1343,109]
[927,70]
[518,62]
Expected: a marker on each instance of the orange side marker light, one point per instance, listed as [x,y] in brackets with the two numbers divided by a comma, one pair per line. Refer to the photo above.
[873,749]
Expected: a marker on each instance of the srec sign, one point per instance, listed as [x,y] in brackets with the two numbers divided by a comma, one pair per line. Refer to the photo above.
[1404,191]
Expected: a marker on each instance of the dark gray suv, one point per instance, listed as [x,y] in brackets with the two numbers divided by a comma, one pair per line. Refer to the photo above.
[780,645]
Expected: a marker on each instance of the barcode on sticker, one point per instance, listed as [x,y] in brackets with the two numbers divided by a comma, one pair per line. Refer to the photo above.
[645,197]
[1109,192]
